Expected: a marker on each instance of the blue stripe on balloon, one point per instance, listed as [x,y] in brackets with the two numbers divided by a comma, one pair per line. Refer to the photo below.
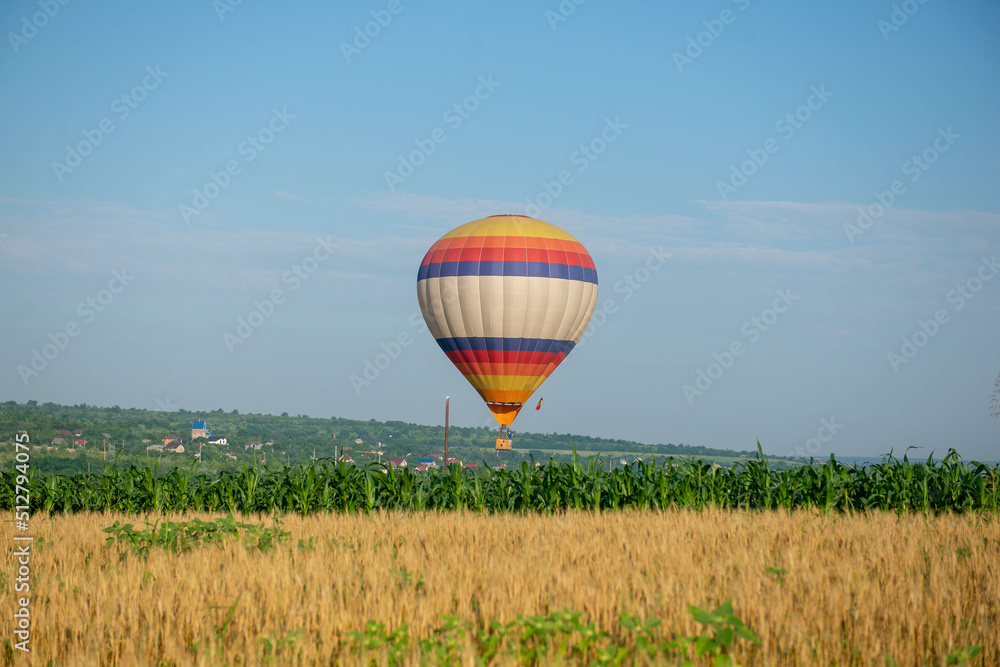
[497,344]
[497,268]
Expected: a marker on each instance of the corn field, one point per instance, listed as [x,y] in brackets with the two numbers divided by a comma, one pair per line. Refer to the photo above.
[327,486]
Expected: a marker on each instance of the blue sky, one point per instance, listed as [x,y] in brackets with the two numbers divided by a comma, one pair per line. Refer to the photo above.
[833,101]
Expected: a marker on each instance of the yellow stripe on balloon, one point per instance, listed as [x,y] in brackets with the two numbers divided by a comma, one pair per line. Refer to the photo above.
[527,383]
[510,225]
[505,396]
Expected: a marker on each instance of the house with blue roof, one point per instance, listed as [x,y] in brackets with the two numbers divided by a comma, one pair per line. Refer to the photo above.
[199,429]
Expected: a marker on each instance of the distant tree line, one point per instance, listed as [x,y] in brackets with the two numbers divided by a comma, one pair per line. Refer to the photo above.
[120,435]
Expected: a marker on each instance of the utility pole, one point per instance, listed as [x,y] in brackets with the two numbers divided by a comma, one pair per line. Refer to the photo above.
[447,399]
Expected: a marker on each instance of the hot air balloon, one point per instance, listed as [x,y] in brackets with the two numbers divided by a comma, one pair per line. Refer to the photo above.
[507,298]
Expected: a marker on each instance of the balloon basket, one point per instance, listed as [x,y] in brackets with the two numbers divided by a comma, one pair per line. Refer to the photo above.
[503,443]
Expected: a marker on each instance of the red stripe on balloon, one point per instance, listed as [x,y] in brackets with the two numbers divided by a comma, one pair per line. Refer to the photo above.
[502,248]
[501,357]
[526,370]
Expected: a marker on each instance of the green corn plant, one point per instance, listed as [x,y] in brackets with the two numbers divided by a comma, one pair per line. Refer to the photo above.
[777,572]
[642,633]
[725,627]
[274,643]
[374,637]
[891,485]
[219,631]
[963,656]
[185,536]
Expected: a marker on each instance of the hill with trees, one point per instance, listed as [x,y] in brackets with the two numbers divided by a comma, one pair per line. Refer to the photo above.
[82,437]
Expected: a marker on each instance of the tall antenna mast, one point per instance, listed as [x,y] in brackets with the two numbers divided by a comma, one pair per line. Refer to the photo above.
[447,400]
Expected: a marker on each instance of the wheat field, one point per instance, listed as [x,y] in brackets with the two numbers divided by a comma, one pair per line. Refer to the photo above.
[816,588]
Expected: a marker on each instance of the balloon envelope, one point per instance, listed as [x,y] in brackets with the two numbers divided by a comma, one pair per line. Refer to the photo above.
[507,298]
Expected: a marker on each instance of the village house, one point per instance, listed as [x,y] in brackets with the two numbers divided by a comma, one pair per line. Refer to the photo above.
[166,440]
[218,440]
[174,448]
[199,429]
[253,445]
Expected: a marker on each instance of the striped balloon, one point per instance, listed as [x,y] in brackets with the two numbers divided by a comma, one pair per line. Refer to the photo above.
[507,298]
